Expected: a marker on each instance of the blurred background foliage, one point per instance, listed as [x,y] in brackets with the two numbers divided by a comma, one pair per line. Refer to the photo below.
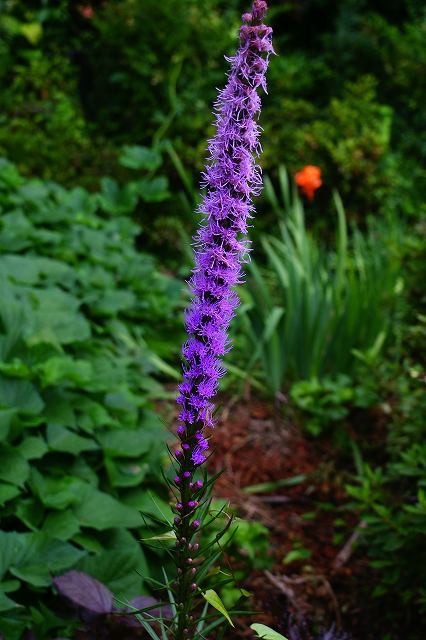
[105,107]
[346,89]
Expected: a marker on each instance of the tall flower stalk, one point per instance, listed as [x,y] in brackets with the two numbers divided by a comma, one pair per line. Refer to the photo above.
[231,179]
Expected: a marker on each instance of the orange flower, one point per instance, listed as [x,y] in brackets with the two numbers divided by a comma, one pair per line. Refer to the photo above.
[309,180]
[86,11]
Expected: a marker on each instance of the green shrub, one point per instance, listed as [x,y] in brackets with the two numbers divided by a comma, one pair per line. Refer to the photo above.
[329,400]
[345,89]
[311,307]
[391,498]
[349,139]
[80,445]
[390,487]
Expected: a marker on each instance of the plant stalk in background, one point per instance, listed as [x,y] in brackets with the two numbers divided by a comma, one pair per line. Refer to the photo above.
[232,177]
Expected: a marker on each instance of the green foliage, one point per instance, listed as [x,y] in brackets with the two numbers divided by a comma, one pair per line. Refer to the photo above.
[267,633]
[345,95]
[247,540]
[346,89]
[349,139]
[306,313]
[389,490]
[392,501]
[214,600]
[329,400]
[80,446]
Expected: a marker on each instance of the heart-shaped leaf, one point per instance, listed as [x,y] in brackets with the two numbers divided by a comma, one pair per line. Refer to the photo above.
[84,591]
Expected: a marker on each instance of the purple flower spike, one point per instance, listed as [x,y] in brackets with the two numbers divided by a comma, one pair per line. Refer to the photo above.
[231,178]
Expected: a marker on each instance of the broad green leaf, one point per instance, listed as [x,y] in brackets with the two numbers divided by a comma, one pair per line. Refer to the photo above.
[7,492]
[32,557]
[91,414]
[32,31]
[89,542]
[148,503]
[122,400]
[126,443]
[31,512]
[20,395]
[154,190]
[82,203]
[6,603]
[59,411]
[9,586]
[57,493]
[266,632]
[33,447]
[83,470]
[61,525]
[112,302]
[137,157]
[6,417]
[13,466]
[108,373]
[32,269]
[126,473]
[213,599]
[115,200]
[64,369]
[15,369]
[101,511]
[62,439]
[55,319]
[121,570]
[10,545]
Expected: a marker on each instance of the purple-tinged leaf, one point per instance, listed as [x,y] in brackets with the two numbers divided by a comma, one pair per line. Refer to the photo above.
[84,591]
[153,609]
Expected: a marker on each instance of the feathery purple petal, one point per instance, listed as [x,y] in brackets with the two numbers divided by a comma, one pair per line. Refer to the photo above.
[231,179]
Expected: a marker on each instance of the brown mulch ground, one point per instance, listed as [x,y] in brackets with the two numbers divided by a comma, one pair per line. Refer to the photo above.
[331,587]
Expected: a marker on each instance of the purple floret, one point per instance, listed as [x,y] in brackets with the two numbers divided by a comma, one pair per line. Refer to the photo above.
[231,179]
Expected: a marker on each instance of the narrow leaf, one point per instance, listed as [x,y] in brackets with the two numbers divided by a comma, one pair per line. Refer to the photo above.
[212,598]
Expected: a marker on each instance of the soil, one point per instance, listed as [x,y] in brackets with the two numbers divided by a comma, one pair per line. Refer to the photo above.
[329,584]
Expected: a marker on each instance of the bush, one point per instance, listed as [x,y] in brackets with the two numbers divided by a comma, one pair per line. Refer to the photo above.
[80,445]
[344,90]
[391,499]
[390,487]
